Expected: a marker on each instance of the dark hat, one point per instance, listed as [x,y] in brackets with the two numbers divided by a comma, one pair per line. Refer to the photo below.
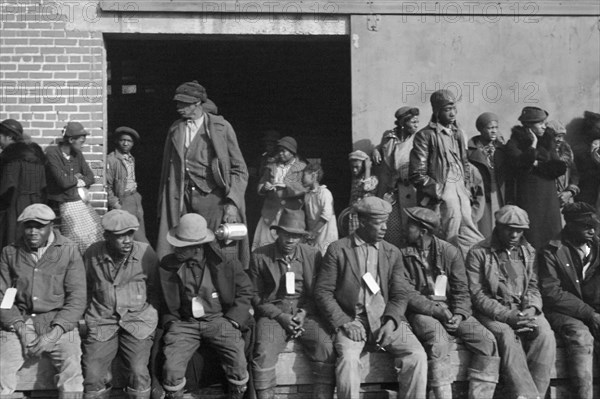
[11,127]
[128,131]
[424,217]
[556,127]
[580,212]
[403,112]
[484,119]
[373,206]
[40,213]
[292,221]
[289,143]
[358,155]
[191,230]
[533,115]
[190,92]
[439,99]
[119,221]
[74,129]
[513,216]
[591,116]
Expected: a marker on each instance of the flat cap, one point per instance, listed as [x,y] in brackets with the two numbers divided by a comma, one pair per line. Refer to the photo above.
[11,127]
[289,143]
[40,213]
[190,92]
[119,221]
[74,129]
[127,130]
[373,206]
[580,212]
[533,115]
[358,155]
[513,216]
[424,217]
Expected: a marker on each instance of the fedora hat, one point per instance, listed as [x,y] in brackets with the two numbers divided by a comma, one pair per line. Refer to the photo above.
[291,221]
[191,230]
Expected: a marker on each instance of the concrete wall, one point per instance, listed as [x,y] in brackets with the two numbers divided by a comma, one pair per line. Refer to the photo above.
[497,64]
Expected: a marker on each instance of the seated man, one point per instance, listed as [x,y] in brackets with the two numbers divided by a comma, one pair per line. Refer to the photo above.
[121,316]
[283,275]
[569,269]
[362,291]
[442,308]
[45,272]
[205,299]
[506,300]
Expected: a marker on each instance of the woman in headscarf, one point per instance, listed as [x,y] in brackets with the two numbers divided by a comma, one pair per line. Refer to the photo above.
[535,165]
[69,177]
[393,154]
[485,152]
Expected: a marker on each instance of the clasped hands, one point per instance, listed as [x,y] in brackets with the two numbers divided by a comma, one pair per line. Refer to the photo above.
[292,325]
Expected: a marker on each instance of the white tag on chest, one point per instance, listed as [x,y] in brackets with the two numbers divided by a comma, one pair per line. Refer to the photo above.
[290,283]
[197,307]
[441,282]
[9,298]
[371,283]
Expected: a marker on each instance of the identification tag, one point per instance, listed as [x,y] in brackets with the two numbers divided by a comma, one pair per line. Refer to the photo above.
[9,298]
[371,283]
[197,307]
[290,283]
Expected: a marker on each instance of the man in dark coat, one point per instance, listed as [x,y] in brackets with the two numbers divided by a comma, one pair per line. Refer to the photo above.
[584,136]
[569,271]
[22,178]
[206,298]
[362,291]
[203,171]
[441,309]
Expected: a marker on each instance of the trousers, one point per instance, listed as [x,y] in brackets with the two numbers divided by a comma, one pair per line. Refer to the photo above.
[133,204]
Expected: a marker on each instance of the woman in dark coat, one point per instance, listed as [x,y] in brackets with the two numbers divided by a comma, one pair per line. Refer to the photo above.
[534,166]
[22,178]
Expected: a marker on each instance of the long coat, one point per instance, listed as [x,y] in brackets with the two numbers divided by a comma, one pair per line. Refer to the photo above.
[339,282]
[172,179]
[532,183]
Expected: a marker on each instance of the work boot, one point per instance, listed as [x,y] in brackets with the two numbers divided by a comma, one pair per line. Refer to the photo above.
[323,391]
[102,394]
[440,379]
[483,376]
[133,394]
[268,393]
[174,394]
[237,391]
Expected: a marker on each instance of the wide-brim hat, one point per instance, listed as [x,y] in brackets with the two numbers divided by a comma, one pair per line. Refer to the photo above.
[74,129]
[292,221]
[12,126]
[191,230]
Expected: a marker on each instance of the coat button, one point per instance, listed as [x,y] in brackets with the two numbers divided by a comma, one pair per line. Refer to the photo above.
[576,281]
[282,202]
[35,298]
[567,265]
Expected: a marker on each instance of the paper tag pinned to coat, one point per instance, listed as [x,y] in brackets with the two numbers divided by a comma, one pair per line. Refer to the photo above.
[290,283]
[440,285]
[9,298]
[371,283]
[197,307]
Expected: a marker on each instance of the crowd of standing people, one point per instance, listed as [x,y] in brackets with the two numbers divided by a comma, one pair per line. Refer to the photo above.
[490,241]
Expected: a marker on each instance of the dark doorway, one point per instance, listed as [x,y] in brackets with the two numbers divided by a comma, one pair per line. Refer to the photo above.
[297,85]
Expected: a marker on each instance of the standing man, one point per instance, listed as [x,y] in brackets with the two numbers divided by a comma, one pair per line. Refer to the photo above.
[207,298]
[203,172]
[442,309]
[362,291]
[569,269]
[42,289]
[283,275]
[121,184]
[439,169]
[121,316]
[506,300]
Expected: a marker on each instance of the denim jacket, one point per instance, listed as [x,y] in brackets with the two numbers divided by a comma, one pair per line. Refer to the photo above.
[129,300]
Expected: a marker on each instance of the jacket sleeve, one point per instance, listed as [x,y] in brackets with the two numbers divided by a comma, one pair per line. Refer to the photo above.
[293,181]
[521,160]
[63,179]
[325,289]
[307,301]
[111,172]
[238,171]
[400,291]
[167,313]
[7,316]
[240,310]
[86,171]
[417,302]
[263,308]
[460,300]
[150,266]
[555,298]
[75,292]
[481,296]
[419,156]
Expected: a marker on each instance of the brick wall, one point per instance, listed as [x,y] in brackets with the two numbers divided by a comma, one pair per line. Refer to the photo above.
[50,75]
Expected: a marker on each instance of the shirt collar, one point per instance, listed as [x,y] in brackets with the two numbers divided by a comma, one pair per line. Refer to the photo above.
[359,242]
[51,239]
[280,256]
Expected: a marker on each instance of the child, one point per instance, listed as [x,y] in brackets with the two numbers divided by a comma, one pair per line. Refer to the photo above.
[318,206]
[363,184]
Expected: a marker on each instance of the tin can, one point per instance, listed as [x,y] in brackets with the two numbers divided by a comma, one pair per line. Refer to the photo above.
[231,231]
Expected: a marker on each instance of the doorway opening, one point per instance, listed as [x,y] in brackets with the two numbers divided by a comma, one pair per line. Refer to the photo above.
[297,85]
